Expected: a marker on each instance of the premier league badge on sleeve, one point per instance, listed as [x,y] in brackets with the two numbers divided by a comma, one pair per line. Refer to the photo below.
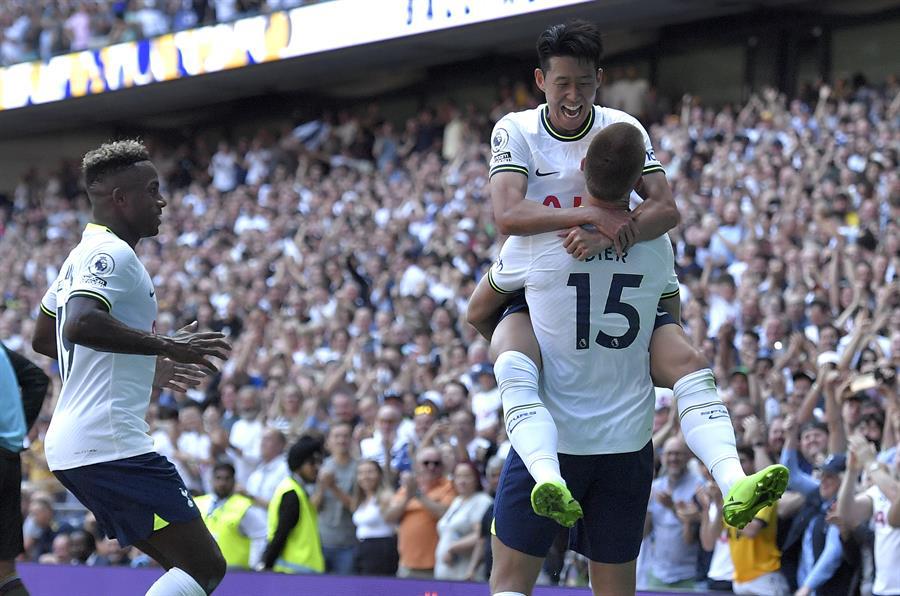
[499,140]
[101,264]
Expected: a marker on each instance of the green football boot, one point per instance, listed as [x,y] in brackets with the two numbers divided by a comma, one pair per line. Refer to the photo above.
[552,499]
[752,493]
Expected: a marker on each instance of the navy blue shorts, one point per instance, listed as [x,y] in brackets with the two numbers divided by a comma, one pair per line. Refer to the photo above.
[663,318]
[518,304]
[613,491]
[131,497]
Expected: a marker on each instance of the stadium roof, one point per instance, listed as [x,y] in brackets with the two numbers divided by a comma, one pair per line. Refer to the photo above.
[374,68]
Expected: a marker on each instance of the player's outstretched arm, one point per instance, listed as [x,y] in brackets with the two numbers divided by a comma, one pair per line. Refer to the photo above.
[89,324]
[176,375]
[516,216]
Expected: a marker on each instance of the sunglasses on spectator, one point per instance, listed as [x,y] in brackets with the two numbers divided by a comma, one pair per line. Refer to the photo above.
[432,463]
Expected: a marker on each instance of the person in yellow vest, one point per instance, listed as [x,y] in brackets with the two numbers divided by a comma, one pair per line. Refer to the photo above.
[756,558]
[238,527]
[294,544]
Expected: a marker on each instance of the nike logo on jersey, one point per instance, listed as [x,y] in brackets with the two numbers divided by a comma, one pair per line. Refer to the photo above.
[152,293]
[540,173]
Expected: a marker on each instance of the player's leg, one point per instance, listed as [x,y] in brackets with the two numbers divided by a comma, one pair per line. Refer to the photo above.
[190,554]
[521,538]
[615,507]
[513,573]
[10,523]
[529,426]
[706,423]
[613,579]
[142,500]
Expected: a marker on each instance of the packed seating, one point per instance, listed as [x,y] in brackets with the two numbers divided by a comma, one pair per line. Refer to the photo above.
[338,255]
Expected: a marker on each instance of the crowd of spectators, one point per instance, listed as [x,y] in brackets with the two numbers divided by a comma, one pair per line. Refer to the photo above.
[39,29]
[338,255]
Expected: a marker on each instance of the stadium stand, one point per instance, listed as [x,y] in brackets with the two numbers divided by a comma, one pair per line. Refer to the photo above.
[41,29]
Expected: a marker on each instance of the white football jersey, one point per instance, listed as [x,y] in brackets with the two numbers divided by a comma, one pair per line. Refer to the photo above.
[99,415]
[526,142]
[593,320]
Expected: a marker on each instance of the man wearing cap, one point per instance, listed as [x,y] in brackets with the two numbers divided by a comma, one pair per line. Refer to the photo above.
[821,567]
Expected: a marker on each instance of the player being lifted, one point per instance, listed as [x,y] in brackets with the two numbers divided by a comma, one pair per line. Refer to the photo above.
[594,320]
[535,164]
[98,320]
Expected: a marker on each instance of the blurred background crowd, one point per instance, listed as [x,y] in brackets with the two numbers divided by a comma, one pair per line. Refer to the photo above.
[338,256]
[40,29]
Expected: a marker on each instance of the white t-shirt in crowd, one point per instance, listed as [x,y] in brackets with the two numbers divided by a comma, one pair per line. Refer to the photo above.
[887,546]
[266,477]
[247,436]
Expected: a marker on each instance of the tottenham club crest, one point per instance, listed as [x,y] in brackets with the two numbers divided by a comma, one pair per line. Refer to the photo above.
[499,140]
[101,264]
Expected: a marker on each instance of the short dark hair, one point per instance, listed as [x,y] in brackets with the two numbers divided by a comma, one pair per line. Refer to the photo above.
[614,161]
[224,465]
[578,39]
[303,450]
[814,425]
[110,158]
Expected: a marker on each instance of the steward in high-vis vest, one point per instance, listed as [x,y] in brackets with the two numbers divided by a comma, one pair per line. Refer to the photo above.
[238,527]
[294,545]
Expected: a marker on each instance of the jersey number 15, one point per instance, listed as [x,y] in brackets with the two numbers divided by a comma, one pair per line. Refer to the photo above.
[614,304]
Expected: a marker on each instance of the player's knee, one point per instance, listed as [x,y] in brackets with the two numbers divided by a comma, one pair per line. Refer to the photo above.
[210,571]
[694,360]
[674,363]
[217,570]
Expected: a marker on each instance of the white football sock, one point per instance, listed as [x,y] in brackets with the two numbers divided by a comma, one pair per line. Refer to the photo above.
[529,426]
[707,427]
[508,594]
[176,582]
